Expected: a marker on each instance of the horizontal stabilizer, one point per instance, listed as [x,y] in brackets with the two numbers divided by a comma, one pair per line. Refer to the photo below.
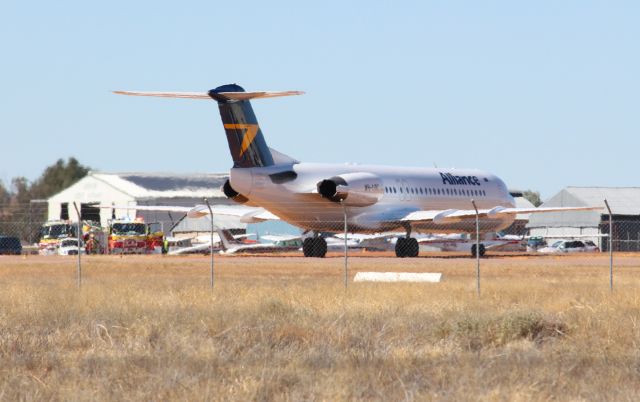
[204,95]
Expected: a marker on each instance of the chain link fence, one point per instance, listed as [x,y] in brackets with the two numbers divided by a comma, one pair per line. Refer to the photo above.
[146,232]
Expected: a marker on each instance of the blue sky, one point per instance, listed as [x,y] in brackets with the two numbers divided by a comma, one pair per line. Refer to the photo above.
[544,94]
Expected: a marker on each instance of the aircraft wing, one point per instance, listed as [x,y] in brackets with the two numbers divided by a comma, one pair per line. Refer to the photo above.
[246,214]
[368,237]
[456,215]
[191,249]
[275,238]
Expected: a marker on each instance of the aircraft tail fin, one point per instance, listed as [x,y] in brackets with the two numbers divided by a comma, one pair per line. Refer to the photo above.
[226,239]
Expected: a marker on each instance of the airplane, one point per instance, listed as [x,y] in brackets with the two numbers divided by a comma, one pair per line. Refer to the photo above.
[458,242]
[316,197]
[278,244]
[462,243]
[199,244]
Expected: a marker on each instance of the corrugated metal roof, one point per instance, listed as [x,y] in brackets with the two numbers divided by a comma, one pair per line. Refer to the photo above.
[522,202]
[165,185]
[623,200]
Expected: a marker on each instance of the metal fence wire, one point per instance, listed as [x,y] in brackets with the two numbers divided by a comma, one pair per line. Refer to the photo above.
[169,232]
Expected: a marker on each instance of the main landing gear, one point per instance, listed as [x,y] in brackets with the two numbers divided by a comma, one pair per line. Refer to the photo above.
[407,246]
[314,247]
[473,250]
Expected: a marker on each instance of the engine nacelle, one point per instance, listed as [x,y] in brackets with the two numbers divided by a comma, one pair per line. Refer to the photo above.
[233,194]
[353,189]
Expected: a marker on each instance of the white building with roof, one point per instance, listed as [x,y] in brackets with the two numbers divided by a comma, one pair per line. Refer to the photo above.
[131,189]
[593,225]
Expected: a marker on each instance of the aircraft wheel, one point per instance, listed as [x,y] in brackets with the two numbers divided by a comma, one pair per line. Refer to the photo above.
[401,247]
[314,247]
[320,247]
[482,250]
[308,246]
[412,248]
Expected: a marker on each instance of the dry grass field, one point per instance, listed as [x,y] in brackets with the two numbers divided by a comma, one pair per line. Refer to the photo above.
[149,328]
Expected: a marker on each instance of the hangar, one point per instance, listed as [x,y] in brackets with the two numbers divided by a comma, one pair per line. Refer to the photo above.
[519,225]
[593,225]
[132,189]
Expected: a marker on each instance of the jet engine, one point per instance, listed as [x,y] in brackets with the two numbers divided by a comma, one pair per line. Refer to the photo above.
[353,189]
[233,194]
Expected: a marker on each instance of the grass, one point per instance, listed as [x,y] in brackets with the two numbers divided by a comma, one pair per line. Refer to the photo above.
[149,328]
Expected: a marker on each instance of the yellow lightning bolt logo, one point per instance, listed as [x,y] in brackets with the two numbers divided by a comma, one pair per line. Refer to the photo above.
[249,134]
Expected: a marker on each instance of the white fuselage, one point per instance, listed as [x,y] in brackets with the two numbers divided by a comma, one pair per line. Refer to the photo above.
[404,190]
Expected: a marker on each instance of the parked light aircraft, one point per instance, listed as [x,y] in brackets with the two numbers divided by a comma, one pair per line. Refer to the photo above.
[458,242]
[279,243]
[375,199]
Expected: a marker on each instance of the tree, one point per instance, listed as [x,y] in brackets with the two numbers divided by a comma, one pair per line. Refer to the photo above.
[533,197]
[57,177]
[5,195]
[17,215]
[20,190]
[5,199]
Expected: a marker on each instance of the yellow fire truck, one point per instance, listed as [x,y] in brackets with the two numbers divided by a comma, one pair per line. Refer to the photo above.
[51,233]
[133,237]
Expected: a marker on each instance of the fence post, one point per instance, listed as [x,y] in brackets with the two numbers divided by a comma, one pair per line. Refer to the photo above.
[477,245]
[79,230]
[211,245]
[610,246]
[346,249]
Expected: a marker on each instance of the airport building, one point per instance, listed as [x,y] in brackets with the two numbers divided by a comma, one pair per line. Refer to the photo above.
[131,189]
[593,225]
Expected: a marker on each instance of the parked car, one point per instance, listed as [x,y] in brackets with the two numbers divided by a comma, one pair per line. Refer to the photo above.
[571,246]
[10,245]
[69,247]
[535,243]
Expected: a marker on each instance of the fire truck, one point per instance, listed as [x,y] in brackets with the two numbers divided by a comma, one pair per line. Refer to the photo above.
[133,237]
[51,233]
